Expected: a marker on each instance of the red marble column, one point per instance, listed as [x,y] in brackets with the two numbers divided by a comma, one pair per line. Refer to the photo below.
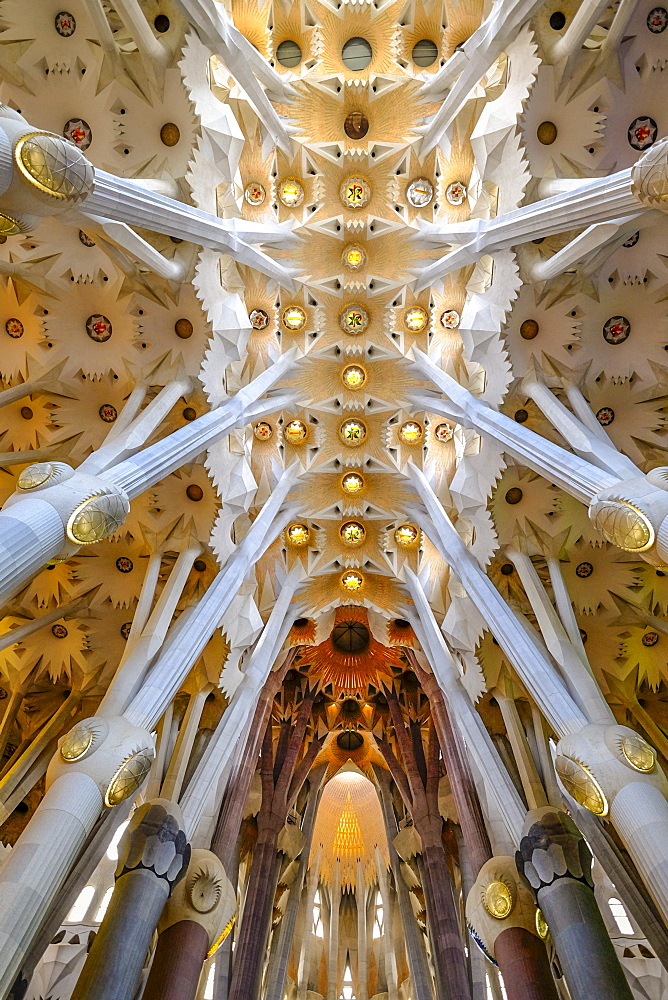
[177,963]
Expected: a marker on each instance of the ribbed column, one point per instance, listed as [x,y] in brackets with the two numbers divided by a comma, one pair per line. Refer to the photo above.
[39,863]
[153,855]
[362,964]
[333,960]
[31,533]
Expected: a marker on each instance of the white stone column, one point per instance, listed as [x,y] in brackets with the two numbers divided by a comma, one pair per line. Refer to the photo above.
[388,929]
[333,955]
[362,962]
[104,196]
[100,761]
[484,754]
[594,200]
[454,82]
[55,509]
[306,949]
[194,628]
[630,512]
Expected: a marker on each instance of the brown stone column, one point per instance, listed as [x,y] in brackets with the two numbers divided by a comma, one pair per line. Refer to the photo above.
[524,965]
[195,920]
[502,918]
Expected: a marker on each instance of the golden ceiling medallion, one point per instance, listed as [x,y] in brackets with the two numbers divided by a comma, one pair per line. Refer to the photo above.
[406,535]
[290,192]
[450,319]
[352,533]
[444,432]
[354,257]
[415,319]
[497,899]
[456,193]
[638,753]
[354,319]
[295,432]
[355,192]
[352,483]
[352,581]
[293,318]
[298,534]
[411,432]
[353,432]
[263,431]
[353,377]
[254,193]
[581,784]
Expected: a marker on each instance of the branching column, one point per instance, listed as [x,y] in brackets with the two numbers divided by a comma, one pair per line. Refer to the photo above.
[283,775]
[418,783]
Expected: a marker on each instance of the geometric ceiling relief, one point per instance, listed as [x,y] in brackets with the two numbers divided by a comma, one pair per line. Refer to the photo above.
[333,541]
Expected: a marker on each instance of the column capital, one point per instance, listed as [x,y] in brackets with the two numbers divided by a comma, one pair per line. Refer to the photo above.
[111,751]
[649,177]
[205,897]
[595,764]
[155,841]
[552,848]
[90,507]
[498,900]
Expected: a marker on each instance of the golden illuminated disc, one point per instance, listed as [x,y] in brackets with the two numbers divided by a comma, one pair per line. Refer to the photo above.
[354,319]
[541,925]
[9,226]
[352,533]
[293,318]
[497,899]
[354,257]
[353,376]
[290,192]
[581,784]
[77,742]
[54,166]
[352,483]
[352,432]
[295,432]
[416,319]
[129,777]
[352,580]
[637,751]
[355,192]
[411,432]
[406,535]
[298,534]
[35,475]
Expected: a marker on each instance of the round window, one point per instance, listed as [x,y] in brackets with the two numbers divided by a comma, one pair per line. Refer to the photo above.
[289,54]
[356,54]
[425,52]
